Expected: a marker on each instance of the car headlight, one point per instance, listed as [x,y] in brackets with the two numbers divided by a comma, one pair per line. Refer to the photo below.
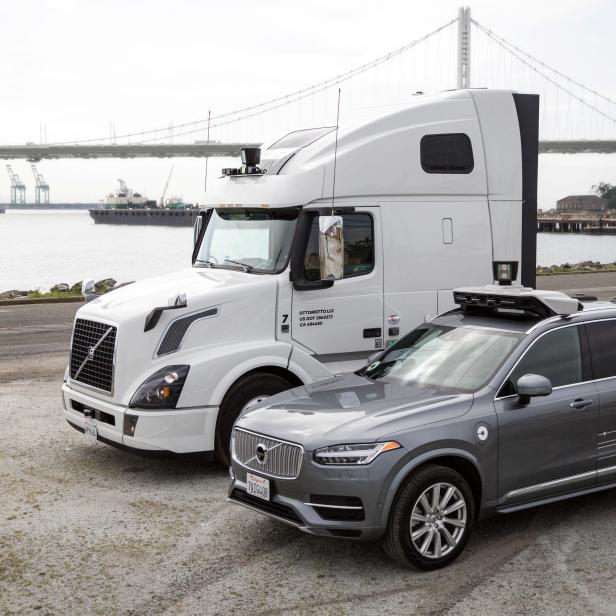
[362,453]
[161,390]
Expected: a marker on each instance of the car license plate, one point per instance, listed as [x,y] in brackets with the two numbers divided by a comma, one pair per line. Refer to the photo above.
[90,432]
[258,486]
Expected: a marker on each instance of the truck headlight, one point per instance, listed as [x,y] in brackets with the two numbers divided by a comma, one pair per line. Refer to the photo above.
[161,390]
[362,453]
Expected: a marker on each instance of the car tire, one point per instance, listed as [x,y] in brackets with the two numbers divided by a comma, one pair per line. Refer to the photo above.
[414,520]
[250,389]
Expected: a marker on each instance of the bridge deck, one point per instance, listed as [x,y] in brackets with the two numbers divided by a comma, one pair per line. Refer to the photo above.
[200,150]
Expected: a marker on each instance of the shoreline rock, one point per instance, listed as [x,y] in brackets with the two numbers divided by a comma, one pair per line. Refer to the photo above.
[584,267]
[63,288]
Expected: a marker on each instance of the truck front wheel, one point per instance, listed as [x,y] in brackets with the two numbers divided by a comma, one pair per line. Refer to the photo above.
[246,392]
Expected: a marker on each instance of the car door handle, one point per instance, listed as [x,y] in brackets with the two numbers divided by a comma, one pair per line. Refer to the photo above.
[580,403]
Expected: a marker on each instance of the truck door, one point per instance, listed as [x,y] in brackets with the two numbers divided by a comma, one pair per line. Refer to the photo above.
[344,322]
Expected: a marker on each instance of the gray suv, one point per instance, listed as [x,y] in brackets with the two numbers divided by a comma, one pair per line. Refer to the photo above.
[507,402]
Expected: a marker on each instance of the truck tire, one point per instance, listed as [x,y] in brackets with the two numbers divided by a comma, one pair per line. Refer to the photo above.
[248,390]
[431,519]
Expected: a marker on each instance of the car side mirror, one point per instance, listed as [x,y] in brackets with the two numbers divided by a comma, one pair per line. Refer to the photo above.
[532,385]
[331,247]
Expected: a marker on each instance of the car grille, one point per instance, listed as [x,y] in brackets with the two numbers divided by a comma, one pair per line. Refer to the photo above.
[282,459]
[92,354]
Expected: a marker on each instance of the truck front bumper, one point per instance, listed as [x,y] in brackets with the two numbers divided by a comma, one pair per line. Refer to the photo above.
[178,430]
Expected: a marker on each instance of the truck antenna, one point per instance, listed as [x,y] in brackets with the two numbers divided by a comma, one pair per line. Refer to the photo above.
[207,158]
[336,152]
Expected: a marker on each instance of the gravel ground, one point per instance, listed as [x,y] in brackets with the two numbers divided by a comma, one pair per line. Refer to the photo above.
[95,530]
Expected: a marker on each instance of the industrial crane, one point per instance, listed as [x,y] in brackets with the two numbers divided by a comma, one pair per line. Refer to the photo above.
[18,188]
[162,198]
[41,187]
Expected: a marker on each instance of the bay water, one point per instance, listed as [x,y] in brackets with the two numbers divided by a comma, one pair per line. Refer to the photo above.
[41,248]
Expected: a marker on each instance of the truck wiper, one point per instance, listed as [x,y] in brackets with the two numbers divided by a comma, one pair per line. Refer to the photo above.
[205,262]
[245,266]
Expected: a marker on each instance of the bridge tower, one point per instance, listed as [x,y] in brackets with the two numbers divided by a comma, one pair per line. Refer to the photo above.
[18,188]
[41,187]
[464,47]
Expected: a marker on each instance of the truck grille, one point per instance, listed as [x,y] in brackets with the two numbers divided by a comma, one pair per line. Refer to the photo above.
[281,459]
[92,354]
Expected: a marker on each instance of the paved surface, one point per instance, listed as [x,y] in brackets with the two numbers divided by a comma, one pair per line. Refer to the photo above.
[95,530]
[601,284]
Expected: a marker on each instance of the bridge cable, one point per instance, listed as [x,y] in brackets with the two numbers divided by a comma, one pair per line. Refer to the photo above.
[503,44]
[280,100]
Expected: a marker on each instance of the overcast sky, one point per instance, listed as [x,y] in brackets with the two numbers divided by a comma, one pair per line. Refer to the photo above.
[77,66]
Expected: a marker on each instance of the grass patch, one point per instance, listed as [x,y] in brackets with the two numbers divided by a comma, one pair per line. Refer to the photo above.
[42,295]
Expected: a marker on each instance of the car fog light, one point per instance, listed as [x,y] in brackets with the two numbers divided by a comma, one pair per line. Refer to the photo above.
[362,453]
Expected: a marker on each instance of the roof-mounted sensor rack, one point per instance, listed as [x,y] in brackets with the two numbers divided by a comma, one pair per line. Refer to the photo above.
[496,298]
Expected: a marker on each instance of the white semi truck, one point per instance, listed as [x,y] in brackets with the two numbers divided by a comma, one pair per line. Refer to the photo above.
[438,195]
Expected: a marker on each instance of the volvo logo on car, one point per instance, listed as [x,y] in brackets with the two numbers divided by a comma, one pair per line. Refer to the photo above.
[91,352]
[261,453]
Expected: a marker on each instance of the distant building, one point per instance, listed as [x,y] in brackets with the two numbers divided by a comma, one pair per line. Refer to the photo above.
[576,203]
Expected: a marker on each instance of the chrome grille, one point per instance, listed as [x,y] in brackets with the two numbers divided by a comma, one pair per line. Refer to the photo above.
[283,460]
[92,354]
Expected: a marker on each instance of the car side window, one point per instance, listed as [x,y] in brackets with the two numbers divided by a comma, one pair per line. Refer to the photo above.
[602,341]
[358,247]
[557,355]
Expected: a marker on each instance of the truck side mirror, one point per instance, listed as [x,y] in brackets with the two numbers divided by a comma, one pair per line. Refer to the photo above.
[331,247]
[88,289]
[531,385]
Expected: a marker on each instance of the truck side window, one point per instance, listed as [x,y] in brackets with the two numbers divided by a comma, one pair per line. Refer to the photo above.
[358,247]
[602,340]
[557,355]
[446,153]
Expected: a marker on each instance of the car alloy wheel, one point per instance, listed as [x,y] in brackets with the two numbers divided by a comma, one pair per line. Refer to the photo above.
[431,518]
[438,520]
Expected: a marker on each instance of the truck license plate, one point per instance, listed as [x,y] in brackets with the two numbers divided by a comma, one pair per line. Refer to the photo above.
[258,486]
[90,432]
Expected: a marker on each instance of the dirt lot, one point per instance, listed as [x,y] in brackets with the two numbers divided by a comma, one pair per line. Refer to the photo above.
[95,530]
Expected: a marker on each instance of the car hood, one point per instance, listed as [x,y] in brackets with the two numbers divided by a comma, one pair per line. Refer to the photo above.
[351,408]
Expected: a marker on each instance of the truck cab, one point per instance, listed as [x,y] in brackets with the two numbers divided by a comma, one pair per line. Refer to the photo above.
[422,200]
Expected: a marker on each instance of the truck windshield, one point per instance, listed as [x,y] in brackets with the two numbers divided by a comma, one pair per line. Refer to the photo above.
[456,359]
[253,239]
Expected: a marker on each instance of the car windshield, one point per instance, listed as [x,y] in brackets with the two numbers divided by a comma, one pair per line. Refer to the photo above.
[253,239]
[457,359]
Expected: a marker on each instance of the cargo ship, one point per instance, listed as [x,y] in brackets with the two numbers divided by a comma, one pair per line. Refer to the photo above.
[125,207]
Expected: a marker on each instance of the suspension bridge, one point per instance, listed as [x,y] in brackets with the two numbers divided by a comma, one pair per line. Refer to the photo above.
[575,118]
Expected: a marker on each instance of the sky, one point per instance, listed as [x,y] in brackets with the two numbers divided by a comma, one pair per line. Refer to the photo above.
[78,69]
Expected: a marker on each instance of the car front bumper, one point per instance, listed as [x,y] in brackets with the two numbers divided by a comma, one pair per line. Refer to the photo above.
[331,501]
[177,430]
